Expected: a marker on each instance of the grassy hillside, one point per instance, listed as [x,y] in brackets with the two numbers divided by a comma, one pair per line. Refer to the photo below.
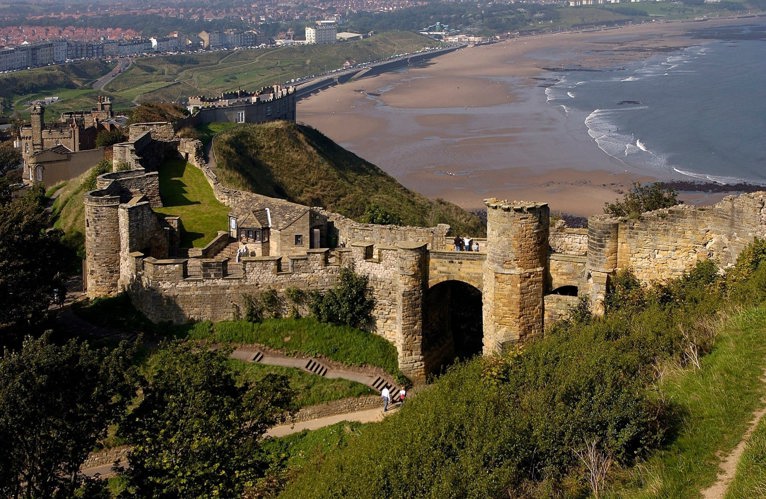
[175,76]
[70,82]
[298,163]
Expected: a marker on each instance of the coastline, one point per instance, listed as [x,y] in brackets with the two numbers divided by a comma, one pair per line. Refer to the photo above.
[475,123]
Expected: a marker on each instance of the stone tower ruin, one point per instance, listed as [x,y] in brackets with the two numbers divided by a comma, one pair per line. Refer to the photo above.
[514,272]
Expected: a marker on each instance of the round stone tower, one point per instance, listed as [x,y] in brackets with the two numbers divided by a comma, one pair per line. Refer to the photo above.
[514,272]
[102,243]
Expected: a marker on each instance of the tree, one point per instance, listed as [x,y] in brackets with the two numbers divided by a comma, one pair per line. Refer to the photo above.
[196,431]
[643,198]
[10,157]
[375,214]
[349,303]
[106,138]
[31,259]
[56,402]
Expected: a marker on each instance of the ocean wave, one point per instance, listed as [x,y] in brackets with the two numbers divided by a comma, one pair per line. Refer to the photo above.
[718,179]
[571,95]
[564,108]
[631,78]
[621,144]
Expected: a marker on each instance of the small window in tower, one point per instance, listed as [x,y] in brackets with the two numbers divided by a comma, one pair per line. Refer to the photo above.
[299,240]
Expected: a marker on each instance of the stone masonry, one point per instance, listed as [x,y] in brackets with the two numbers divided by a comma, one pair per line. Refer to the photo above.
[520,267]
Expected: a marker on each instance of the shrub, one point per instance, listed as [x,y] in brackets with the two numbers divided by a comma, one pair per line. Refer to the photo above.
[643,198]
[349,303]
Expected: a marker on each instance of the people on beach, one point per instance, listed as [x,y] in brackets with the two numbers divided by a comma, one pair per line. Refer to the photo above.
[385,394]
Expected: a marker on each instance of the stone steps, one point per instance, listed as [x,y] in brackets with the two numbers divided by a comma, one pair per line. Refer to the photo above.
[315,367]
[381,383]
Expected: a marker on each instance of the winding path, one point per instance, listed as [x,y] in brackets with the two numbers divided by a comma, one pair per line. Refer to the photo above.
[728,467]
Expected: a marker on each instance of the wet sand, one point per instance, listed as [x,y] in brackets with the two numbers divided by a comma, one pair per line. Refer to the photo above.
[475,123]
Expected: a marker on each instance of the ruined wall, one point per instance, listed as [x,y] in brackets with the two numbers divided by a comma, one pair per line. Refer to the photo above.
[515,272]
[566,270]
[568,240]
[192,151]
[164,294]
[140,231]
[158,130]
[665,243]
[136,182]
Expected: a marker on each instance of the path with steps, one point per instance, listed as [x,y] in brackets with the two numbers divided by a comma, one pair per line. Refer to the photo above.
[311,365]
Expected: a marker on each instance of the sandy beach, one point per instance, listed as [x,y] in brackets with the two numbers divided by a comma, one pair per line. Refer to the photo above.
[475,123]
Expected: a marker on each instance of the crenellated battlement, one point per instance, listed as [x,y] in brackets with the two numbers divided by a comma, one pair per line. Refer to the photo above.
[526,272]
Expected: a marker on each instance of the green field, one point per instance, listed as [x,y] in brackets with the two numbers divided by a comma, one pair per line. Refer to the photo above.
[186,193]
[176,77]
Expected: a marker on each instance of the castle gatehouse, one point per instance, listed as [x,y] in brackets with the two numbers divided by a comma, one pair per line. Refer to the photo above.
[433,303]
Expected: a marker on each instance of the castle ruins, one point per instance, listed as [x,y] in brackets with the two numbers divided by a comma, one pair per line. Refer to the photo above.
[433,303]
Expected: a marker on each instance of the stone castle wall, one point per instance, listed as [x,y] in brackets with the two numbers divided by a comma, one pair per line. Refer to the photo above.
[136,182]
[567,240]
[666,243]
[159,131]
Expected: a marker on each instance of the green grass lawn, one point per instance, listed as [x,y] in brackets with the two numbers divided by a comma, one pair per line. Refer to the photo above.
[310,389]
[186,193]
[750,480]
[715,404]
[306,336]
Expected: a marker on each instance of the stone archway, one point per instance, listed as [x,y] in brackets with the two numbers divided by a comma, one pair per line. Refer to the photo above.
[452,325]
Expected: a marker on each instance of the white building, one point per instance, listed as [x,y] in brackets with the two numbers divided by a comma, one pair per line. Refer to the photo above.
[321,33]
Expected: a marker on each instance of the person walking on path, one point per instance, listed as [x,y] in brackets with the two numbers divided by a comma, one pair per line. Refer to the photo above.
[385,394]
[402,395]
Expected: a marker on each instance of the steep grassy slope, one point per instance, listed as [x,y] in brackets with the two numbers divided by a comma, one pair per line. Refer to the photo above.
[298,163]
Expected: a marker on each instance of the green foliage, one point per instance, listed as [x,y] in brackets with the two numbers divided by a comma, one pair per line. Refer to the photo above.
[298,163]
[106,138]
[375,214]
[510,425]
[290,454]
[69,210]
[89,182]
[196,430]
[10,157]
[643,198]
[305,337]
[265,305]
[309,389]
[56,402]
[31,259]
[348,304]
[750,480]
[626,292]
[716,403]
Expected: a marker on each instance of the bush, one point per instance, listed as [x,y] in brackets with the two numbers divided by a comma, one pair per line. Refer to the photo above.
[349,303]
[643,198]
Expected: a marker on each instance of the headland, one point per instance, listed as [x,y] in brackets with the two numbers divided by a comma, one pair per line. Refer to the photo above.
[475,122]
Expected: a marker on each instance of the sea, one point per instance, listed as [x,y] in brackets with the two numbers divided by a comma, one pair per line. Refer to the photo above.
[697,113]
